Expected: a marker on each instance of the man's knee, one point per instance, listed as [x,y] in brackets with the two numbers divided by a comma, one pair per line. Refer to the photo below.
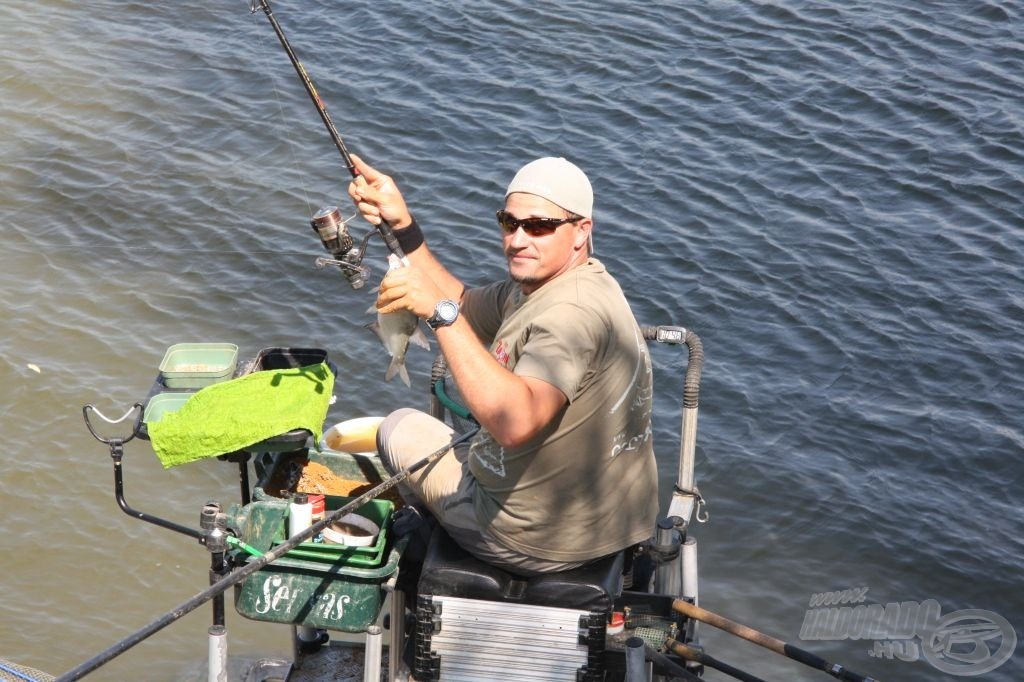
[408,435]
[386,437]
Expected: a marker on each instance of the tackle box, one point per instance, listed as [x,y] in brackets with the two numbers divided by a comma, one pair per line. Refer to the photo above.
[321,586]
[287,357]
[334,587]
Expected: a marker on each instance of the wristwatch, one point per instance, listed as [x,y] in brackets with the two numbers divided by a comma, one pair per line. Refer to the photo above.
[445,313]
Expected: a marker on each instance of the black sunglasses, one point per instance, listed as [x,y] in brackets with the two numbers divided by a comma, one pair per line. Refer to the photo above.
[535,227]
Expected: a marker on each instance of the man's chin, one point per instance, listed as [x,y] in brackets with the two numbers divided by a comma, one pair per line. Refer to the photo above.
[522,277]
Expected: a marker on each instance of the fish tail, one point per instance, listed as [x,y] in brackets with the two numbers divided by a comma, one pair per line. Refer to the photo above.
[397,367]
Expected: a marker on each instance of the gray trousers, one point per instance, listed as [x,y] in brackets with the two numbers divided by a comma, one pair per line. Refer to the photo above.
[447,489]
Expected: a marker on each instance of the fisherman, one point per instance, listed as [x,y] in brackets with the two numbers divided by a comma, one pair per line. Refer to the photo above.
[552,365]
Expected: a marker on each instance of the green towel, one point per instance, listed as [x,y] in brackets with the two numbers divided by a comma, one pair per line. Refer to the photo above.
[232,415]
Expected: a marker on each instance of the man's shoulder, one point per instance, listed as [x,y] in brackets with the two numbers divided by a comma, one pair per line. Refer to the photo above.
[592,268]
[592,286]
[583,278]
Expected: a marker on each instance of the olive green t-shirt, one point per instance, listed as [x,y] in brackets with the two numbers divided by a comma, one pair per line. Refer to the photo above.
[586,486]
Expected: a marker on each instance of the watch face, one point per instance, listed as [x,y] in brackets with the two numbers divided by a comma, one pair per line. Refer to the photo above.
[447,311]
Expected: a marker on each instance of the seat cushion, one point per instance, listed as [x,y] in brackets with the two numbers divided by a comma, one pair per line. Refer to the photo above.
[449,570]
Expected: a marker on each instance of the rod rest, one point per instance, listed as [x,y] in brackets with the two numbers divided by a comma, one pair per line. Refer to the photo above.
[449,570]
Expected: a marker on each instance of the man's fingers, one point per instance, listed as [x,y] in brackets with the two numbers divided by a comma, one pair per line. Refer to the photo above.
[371,174]
[369,211]
[362,167]
[390,290]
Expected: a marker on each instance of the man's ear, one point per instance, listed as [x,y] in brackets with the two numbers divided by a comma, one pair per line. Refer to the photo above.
[583,229]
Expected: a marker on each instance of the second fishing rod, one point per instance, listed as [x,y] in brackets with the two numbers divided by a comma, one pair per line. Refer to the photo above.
[327,222]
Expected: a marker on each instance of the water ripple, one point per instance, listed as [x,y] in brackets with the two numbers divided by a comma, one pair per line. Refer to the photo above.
[828,194]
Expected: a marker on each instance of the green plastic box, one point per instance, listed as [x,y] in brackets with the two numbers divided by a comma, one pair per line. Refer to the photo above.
[163,404]
[317,595]
[195,365]
[378,511]
[316,585]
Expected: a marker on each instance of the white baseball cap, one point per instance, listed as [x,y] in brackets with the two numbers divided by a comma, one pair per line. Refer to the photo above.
[559,181]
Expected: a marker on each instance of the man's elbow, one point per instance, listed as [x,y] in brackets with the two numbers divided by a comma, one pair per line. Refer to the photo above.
[511,437]
[517,428]
[511,441]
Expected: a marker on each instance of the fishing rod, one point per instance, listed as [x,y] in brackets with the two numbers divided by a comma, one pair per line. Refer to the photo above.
[663,664]
[327,222]
[255,564]
[777,645]
[691,653]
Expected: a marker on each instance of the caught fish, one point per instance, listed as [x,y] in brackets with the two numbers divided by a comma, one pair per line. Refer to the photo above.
[395,331]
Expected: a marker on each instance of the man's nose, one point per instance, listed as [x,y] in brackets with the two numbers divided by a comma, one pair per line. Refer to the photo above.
[519,239]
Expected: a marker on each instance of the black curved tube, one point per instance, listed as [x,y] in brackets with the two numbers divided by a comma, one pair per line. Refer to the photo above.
[695,359]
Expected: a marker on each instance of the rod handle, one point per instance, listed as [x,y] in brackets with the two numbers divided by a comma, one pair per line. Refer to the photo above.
[387,233]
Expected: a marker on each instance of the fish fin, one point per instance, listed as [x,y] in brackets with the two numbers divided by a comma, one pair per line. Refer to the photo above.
[372,310]
[419,338]
[375,328]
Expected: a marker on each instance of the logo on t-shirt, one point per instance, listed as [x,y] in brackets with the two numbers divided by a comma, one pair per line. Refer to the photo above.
[488,453]
[501,353]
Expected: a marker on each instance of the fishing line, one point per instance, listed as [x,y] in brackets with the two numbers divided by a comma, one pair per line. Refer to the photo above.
[262,51]
[129,248]
[157,249]
[327,227]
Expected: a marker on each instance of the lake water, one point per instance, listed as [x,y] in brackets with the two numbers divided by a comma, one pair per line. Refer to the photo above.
[829,194]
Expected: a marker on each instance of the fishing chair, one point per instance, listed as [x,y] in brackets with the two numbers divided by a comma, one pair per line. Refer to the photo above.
[474,620]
